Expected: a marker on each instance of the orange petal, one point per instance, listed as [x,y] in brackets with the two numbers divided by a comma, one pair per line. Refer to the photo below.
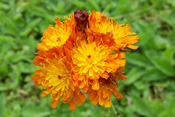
[85,89]
[67,53]
[123,77]
[118,95]
[112,56]
[46,92]
[101,100]
[79,98]
[122,55]
[107,103]
[58,22]
[133,39]
[72,104]
[94,101]
[104,75]
[82,97]
[81,77]
[105,92]
[92,95]
[95,85]
[43,94]
[82,84]
[133,47]
[54,103]
[122,63]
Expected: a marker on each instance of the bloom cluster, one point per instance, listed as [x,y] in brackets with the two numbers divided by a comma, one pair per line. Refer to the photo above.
[83,57]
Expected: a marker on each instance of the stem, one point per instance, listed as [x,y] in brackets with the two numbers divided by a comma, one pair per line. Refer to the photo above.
[113,110]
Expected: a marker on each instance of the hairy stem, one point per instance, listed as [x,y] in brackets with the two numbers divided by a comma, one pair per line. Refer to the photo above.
[113,110]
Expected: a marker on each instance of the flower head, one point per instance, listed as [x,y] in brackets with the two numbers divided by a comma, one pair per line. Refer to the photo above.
[120,33]
[107,88]
[55,79]
[83,53]
[91,60]
[58,36]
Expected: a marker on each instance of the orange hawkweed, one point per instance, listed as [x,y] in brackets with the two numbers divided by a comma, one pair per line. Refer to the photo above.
[55,79]
[92,61]
[107,88]
[121,33]
[57,36]
[83,53]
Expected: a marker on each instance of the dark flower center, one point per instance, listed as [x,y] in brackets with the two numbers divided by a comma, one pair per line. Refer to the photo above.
[59,77]
[89,56]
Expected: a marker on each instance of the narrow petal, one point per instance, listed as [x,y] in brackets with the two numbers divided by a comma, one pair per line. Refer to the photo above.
[71,104]
[54,103]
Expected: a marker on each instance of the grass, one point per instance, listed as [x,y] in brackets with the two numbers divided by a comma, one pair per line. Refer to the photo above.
[150,88]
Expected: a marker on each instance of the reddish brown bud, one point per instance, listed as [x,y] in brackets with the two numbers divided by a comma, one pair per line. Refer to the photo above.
[81,17]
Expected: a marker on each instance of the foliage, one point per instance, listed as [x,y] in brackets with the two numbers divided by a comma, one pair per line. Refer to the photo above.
[150,88]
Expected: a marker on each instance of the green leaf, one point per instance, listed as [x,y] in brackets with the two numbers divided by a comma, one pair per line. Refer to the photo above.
[160,63]
[12,27]
[37,10]
[171,37]
[137,59]
[3,69]
[35,112]
[60,7]
[150,54]
[141,85]
[2,104]
[140,106]
[160,42]
[153,74]
[133,75]
[4,6]
[169,107]
[6,38]
[168,17]
[92,5]
[26,68]
[96,111]
[17,110]
[4,86]
[164,66]
[19,56]
[30,26]
[168,54]
[79,4]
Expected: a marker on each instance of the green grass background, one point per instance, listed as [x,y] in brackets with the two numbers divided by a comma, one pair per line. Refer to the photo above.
[150,88]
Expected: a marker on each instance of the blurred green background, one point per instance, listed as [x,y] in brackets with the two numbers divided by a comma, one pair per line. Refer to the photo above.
[150,88]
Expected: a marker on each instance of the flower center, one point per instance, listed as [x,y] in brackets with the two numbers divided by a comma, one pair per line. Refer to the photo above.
[109,33]
[89,56]
[58,39]
[59,77]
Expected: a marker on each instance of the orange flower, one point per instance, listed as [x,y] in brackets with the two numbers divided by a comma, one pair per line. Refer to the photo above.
[91,60]
[107,88]
[120,33]
[84,53]
[55,79]
[57,36]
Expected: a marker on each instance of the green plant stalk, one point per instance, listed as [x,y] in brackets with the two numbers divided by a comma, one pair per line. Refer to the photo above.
[113,110]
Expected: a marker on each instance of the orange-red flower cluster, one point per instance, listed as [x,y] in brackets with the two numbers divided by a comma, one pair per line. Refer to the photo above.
[82,56]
